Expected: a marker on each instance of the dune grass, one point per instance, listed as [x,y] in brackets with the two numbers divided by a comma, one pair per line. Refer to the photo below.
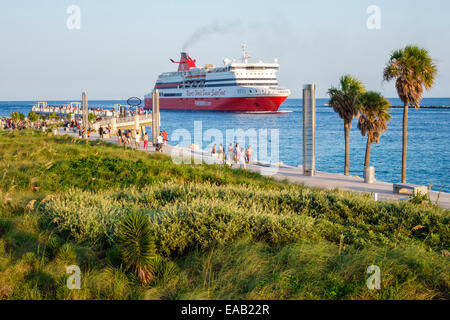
[218,233]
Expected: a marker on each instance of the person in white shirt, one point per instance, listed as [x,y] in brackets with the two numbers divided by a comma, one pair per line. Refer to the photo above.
[137,140]
[230,155]
[241,157]
[159,142]
[221,153]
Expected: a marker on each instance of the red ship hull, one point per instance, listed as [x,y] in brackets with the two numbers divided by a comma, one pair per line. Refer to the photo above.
[220,104]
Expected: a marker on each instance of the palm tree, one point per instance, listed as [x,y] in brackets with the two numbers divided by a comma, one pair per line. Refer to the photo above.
[15,117]
[373,119]
[33,117]
[91,117]
[52,116]
[413,70]
[345,101]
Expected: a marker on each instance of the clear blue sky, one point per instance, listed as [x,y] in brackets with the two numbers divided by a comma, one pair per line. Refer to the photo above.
[123,45]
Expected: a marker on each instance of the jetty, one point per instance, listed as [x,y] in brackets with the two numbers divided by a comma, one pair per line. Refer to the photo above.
[117,118]
[73,108]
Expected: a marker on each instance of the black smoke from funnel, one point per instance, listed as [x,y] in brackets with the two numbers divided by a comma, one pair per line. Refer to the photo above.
[210,30]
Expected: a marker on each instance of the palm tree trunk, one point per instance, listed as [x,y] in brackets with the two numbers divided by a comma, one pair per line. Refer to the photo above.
[346,133]
[367,158]
[405,133]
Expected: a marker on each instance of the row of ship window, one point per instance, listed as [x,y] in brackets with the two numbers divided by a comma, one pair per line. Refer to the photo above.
[239,91]
[187,86]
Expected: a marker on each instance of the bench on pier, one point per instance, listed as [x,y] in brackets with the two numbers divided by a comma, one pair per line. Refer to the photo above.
[406,188]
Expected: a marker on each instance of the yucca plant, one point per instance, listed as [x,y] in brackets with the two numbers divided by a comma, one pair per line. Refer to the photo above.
[136,246]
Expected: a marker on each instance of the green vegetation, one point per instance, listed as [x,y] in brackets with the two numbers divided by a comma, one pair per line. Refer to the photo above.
[373,119]
[91,117]
[136,245]
[17,116]
[33,117]
[141,227]
[413,70]
[346,102]
[52,116]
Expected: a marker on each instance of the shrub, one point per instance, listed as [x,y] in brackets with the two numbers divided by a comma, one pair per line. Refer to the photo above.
[136,246]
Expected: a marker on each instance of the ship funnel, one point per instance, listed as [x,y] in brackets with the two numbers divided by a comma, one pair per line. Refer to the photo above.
[185,62]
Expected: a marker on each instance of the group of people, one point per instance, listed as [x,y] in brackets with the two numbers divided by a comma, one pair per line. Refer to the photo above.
[161,140]
[7,123]
[127,137]
[105,132]
[234,154]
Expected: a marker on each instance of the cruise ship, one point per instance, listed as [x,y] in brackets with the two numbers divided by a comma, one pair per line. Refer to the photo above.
[236,86]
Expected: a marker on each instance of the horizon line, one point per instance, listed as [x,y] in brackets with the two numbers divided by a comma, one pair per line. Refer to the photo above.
[124,99]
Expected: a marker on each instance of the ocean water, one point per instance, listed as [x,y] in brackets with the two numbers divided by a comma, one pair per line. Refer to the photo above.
[428,137]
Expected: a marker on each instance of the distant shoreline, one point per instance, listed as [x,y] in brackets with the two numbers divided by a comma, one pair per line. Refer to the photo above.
[421,107]
[425,107]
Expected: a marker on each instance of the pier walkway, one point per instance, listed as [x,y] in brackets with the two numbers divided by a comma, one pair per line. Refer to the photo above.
[384,190]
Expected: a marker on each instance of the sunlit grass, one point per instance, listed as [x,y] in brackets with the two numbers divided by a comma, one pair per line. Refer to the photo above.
[219,233]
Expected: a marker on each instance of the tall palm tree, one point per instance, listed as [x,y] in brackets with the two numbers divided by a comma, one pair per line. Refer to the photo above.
[413,70]
[373,119]
[345,101]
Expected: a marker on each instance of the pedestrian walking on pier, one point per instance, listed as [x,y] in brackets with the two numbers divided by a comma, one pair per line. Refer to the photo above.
[119,135]
[146,141]
[165,136]
[159,143]
[249,154]
[221,153]
[129,137]
[241,157]
[230,155]
[137,140]
[236,152]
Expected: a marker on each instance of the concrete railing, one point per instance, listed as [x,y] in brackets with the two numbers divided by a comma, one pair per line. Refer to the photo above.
[122,122]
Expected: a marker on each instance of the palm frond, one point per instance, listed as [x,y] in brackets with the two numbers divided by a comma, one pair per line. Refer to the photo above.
[374,115]
[414,71]
[345,100]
